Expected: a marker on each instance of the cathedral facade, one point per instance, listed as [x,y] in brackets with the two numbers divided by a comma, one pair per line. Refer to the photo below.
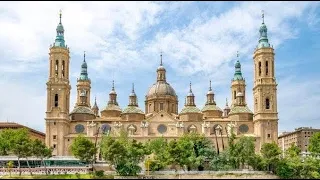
[161,117]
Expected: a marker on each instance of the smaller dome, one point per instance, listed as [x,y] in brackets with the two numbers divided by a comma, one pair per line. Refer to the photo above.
[132,94]
[210,92]
[84,65]
[161,68]
[190,109]
[82,110]
[132,110]
[190,94]
[238,65]
[112,92]
[60,27]
[239,94]
[112,107]
[211,108]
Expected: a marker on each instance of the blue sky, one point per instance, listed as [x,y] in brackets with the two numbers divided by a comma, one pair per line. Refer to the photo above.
[123,41]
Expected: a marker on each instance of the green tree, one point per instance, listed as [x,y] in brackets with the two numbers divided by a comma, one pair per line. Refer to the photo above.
[270,152]
[314,144]
[293,151]
[6,138]
[245,148]
[10,166]
[21,146]
[83,149]
[40,150]
[123,153]
[159,149]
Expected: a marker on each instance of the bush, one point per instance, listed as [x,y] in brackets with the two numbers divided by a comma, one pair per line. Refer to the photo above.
[99,173]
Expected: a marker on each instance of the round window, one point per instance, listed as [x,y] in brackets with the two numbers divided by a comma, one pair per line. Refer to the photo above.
[105,128]
[243,128]
[79,128]
[162,128]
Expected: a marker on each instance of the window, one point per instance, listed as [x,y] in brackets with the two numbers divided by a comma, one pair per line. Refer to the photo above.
[56,67]
[54,146]
[172,108]
[149,107]
[56,100]
[234,94]
[269,135]
[267,103]
[62,68]
[267,68]
[259,68]
[161,106]
[54,137]
[54,123]
[68,140]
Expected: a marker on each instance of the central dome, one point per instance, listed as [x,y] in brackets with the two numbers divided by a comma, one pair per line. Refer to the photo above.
[161,88]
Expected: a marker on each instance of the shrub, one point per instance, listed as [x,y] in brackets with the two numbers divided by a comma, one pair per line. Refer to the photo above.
[99,173]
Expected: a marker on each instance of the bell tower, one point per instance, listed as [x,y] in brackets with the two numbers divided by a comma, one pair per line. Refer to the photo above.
[265,90]
[58,94]
[238,83]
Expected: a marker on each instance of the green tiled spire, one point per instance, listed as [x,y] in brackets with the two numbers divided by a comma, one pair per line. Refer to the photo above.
[59,42]
[84,69]
[237,73]
[263,41]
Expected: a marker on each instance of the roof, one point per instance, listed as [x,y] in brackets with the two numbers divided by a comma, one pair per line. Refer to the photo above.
[240,109]
[132,109]
[211,108]
[112,107]
[16,125]
[190,109]
[82,110]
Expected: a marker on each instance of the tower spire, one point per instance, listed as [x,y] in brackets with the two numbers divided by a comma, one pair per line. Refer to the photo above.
[60,14]
[263,40]
[190,88]
[237,73]
[226,101]
[132,87]
[262,16]
[210,89]
[84,56]
[161,58]
[112,85]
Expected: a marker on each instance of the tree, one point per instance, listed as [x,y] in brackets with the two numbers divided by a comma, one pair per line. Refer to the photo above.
[21,146]
[6,138]
[314,144]
[245,148]
[83,149]
[270,152]
[124,154]
[159,149]
[10,166]
[293,151]
[40,150]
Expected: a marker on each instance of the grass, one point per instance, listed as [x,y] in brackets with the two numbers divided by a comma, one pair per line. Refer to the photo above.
[60,176]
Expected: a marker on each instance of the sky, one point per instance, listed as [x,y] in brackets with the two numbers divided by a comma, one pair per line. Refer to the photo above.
[123,41]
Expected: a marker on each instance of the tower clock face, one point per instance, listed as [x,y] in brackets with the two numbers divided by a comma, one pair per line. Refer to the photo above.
[79,128]
[243,128]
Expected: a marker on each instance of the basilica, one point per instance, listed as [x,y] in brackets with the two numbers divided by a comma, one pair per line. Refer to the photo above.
[161,116]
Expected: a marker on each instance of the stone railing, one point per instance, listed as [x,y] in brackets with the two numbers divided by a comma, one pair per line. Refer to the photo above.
[41,170]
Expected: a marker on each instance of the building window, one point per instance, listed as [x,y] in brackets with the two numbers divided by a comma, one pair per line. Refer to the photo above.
[161,106]
[62,68]
[234,94]
[259,68]
[149,107]
[68,140]
[267,69]
[56,100]
[54,137]
[269,135]
[54,146]
[56,67]
[54,123]
[267,103]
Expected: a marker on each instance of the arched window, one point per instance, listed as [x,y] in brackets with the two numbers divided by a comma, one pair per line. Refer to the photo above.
[259,68]
[56,67]
[234,94]
[267,103]
[62,68]
[149,107]
[172,108]
[161,106]
[267,69]
[256,103]
[56,100]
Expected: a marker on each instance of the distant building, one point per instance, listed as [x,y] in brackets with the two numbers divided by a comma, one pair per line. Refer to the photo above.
[34,134]
[299,137]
